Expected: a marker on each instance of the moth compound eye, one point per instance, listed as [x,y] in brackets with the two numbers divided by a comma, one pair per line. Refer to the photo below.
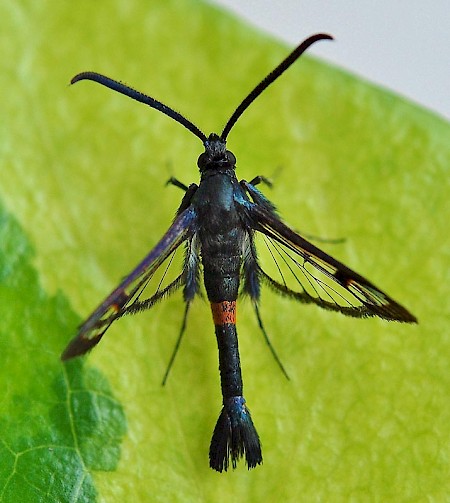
[230,157]
[202,160]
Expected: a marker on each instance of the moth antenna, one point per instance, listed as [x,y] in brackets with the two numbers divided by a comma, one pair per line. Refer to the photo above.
[142,98]
[273,75]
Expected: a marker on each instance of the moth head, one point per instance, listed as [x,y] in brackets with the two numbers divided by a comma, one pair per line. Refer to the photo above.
[216,155]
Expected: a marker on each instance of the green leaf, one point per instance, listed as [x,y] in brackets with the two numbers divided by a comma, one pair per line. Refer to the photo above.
[366,413]
[59,422]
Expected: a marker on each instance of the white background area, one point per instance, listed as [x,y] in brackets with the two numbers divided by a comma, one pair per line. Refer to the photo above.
[402,45]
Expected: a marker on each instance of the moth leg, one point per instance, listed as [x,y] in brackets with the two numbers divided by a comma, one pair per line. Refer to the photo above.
[266,337]
[320,239]
[252,288]
[260,179]
[177,183]
[191,275]
[177,344]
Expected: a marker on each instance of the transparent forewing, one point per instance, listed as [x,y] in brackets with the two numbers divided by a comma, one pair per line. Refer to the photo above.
[131,288]
[306,273]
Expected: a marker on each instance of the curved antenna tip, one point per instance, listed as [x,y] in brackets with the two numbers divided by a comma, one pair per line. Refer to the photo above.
[324,36]
[84,76]
[75,79]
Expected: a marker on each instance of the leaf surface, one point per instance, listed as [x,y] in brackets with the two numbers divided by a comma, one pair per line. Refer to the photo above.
[366,413]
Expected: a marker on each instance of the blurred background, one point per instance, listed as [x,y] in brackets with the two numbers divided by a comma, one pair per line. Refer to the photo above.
[401,45]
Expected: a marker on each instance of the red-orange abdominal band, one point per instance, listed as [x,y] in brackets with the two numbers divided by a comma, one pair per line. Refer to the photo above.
[224,312]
